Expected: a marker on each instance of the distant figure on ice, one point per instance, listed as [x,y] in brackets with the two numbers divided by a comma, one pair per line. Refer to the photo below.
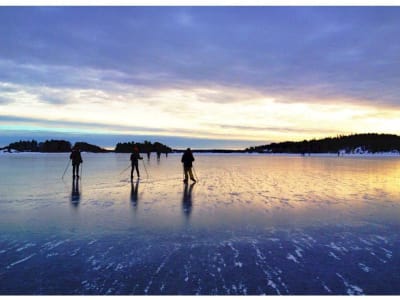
[158,155]
[187,160]
[135,156]
[148,155]
[76,158]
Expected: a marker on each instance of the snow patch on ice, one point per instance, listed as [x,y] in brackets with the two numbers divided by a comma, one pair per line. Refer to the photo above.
[274,286]
[291,257]
[337,248]
[54,244]
[334,256]
[364,267]
[326,288]
[351,289]
[28,245]
[388,253]
[298,251]
[20,261]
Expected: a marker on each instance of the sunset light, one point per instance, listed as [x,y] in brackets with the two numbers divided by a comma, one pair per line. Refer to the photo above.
[178,72]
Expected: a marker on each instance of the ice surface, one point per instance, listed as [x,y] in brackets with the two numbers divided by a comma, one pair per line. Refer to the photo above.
[252,225]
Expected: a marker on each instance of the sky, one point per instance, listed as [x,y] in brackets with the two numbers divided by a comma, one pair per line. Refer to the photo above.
[200,76]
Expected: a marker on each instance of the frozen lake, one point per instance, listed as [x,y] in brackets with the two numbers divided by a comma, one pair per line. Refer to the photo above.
[253,224]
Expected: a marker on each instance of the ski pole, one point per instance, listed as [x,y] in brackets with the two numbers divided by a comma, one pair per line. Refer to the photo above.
[66,168]
[124,170]
[147,174]
[197,178]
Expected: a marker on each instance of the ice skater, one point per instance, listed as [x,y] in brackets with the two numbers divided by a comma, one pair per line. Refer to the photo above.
[135,156]
[76,158]
[187,160]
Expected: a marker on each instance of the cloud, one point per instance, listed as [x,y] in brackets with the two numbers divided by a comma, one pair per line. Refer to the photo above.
[39,124]
[5,100]
[284,130]
[293,53]
[200,70]
[344,49]
[78,126]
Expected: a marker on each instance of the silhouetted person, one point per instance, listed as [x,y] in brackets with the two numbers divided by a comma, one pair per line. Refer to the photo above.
[148,155]
[187,160]
[135,156]
[187,200]
[75,194]
[166,153]
[158,155]
[76,158]
[134,193]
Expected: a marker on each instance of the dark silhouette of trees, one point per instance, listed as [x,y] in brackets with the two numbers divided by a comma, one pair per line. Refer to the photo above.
[29,146]
[55,146]
[89,147]
[370,142]
[65,146]
[144,147]
[47,146]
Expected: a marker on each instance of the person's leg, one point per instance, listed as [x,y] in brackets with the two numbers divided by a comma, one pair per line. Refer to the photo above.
[137,169]
[73,170]
[77,170]
[132,167]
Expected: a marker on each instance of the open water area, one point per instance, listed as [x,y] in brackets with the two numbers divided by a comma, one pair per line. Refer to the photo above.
[251,225]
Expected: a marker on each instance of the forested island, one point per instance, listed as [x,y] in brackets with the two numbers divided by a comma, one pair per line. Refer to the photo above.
[55,146]
[144,147]
[355,143]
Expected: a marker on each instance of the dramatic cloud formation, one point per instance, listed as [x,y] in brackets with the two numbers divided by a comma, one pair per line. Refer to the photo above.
[243,74]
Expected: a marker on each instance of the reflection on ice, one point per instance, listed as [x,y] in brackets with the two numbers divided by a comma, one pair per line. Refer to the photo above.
[258,225]
[75,194]
[135,193]
[187,199]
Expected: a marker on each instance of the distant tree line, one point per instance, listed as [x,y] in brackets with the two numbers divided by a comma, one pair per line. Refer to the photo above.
[89,147]
[370,142]
[65,146]
[144,147]
[34,146]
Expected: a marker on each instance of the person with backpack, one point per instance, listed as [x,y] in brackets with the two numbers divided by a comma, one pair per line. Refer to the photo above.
[76,159]
[135,156]
[187,160]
